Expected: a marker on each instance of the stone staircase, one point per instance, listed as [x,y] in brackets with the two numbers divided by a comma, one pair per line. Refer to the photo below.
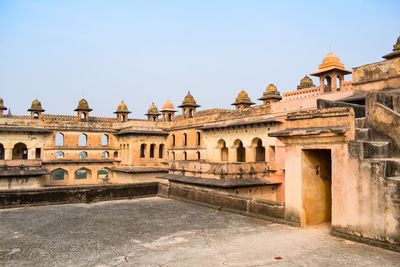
[376,149]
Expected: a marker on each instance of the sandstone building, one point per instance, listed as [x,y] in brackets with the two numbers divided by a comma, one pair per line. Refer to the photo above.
[315,154]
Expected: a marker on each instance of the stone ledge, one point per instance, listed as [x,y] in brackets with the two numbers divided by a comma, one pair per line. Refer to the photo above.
[364,240]
[309,131]
[74,194]
[222,183]
[228,201]
[140,170]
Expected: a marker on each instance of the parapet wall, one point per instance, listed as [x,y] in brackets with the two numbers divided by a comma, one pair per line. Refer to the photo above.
[377,76]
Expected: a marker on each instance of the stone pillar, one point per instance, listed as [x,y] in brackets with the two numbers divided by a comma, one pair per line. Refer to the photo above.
[31,153]
[333,84]
[250,154]
[341,84]
[232,154]
[7,153]
[321,85]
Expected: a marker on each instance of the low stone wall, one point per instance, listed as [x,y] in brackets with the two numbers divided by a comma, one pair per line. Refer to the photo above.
[266,209]
[75,194]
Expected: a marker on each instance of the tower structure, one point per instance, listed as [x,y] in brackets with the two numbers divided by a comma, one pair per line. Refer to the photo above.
[271,95]
[2,107]
[330,71]
[306,82]
[36,109]
[122,112]
[242,101]
[396,51]
[168,111]
[189,106]
[83,110]
[152,114]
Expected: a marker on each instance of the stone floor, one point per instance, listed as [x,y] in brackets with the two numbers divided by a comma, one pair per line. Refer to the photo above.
[164,232]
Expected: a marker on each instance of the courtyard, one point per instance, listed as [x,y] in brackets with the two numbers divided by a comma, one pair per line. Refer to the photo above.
[164,232]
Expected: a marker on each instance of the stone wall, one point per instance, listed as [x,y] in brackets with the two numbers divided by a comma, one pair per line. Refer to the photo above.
[377,76]
[230,201]
[75,194]
[383,114]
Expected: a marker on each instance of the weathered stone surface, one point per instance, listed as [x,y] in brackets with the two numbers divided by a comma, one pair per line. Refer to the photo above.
[74,194]
[162,232]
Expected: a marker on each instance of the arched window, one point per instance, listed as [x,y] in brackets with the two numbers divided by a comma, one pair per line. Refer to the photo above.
[36,115]
[173,155]
[123,118]
[20,151]
[82,174]
[327,84]
[224,150]
[190,113]
[240,151]
[82,140]
[104,140]
[102,174]
[115,154]
[152,146]
[184,155]
[173,140]
[142,150]
[198,155]
[185,139]
[83,155]
[259,150]
[161,151]
[198,138]
[58,174]
[2,152]
[169,117]
[105,154]
[59,155]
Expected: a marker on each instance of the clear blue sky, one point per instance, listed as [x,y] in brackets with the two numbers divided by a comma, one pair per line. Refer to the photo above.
[145,51]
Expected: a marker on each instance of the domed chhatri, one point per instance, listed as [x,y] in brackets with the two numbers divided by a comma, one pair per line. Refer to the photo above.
[331,60]
[2,107]
[168,106]
[83,110]
[189,101]
[153,110]
[396,51]
[83,105]
[36,109]
[36,106]
[306,82]
[152,114]
[122,112]
[122,108]
[188,106]
[168,111]
[270,95]
[242,101]
[329,71]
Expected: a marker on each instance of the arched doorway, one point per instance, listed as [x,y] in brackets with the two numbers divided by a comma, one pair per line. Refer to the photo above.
[240,151]
[2,152]
[259,150]
[20,151]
